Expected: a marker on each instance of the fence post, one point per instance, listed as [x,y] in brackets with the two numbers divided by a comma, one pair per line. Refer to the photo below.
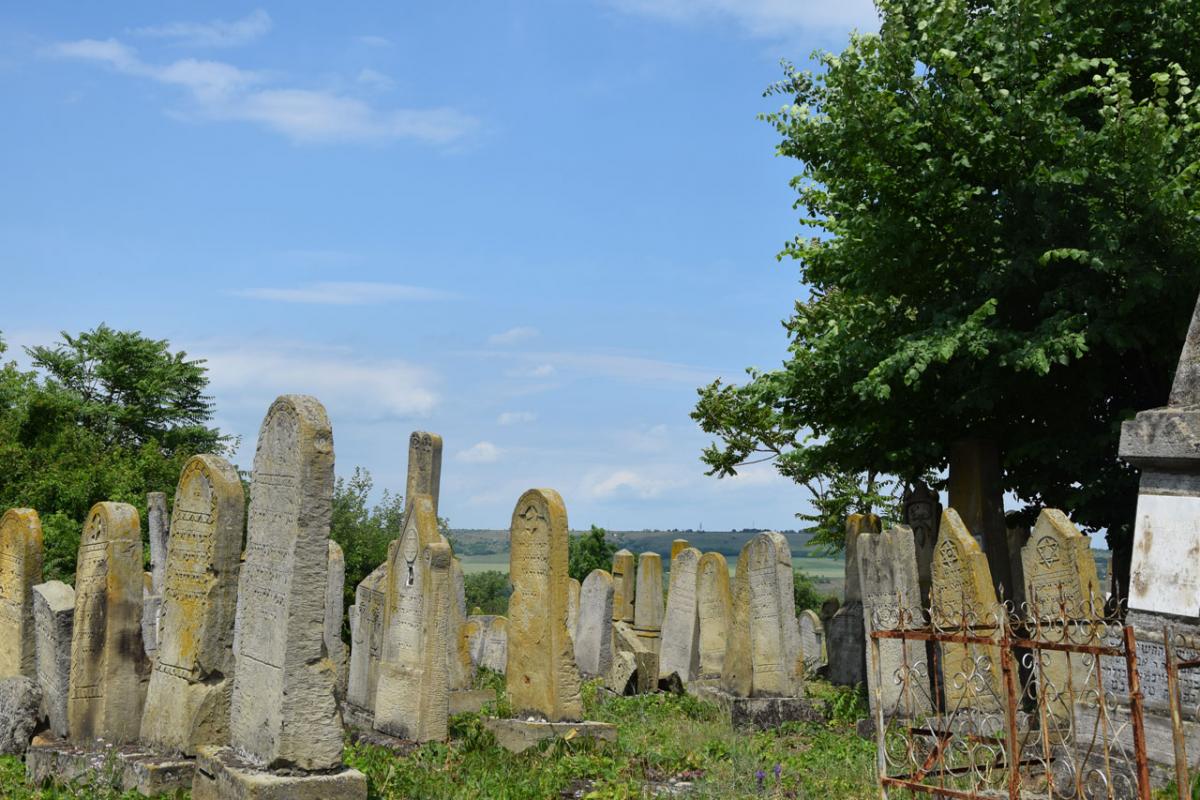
[1182,781]
[880,733]
[1010,718]
[1135,715]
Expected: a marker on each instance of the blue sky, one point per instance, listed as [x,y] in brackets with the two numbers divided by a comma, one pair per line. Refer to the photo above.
[532,227]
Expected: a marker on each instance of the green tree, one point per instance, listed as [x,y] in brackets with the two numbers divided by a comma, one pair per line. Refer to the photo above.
[488,591]
[1001,202]
[589,551]
[805,591]
[362,530]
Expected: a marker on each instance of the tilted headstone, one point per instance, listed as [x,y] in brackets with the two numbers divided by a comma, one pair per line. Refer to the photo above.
[593,637]
[963,595]
[648,606]
[922,510]
[891,598]
[187,704]
[284,711]
[366,637]
[335,584]
[424,466]
[812,640]
[763,656]
[573,589]
[159,526]
[20,571]
[624,574]
[462,670]
[108,665]
[541,676]
[846,636]
[679,653]
[407,599]
[714,605]
[54,619]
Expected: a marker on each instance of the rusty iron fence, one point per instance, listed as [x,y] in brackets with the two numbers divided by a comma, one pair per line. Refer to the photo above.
[1011,702]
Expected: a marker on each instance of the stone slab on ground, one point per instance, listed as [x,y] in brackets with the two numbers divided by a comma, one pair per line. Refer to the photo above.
[221,775]
[125,767]
[763,713]
[517,735]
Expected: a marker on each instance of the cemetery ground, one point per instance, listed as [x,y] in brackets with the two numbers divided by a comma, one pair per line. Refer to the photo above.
[669,746]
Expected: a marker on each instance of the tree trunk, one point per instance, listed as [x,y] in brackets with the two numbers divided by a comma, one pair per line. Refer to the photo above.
[977,494]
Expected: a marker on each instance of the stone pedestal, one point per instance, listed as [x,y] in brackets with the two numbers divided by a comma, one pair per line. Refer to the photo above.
[516,735]
[123,767]
[761,713]
[221,775]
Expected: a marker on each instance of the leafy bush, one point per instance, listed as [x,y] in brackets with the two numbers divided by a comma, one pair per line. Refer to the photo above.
[488,591]
[589,551]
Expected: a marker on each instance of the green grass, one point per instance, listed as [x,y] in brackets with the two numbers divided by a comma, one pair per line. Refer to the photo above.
[662,738]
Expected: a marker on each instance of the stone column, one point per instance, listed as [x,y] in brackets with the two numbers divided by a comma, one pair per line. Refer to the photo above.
[648,606]
[20,570]
[624,574]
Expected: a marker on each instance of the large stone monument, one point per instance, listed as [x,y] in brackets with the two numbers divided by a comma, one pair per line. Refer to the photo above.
[891,600]
[594,635]
[424,466]
[108,665]
[846,637]
[714,604]
[54,619]
[963,596]
[679,652]
[284,713]
[20,571]
[624,573]
[187,704]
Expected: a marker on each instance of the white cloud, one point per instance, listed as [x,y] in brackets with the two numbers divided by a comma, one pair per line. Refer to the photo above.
[374,79]
[349,293]
[220,91]
[513,335]
[216,33]
[771,19]
[643,483]
[479,453]
[516,417]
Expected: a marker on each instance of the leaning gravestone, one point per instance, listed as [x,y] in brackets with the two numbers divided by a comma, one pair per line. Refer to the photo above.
[593,637]
[108,665]
[963,595]
[891,598]
[53,619]
[424,466]
[812,640]
[624,574]
[366,637]
[679,653]
[648,607]
[187,704]
[283,713]
[542,678]
[335,583]
[715,607]
[847,642]
[462,669]
[20,570]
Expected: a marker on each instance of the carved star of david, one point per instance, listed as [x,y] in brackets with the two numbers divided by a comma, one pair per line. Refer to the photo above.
[532,517]
[1047,551]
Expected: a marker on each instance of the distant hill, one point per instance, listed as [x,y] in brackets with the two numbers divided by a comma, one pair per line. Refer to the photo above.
[728,543]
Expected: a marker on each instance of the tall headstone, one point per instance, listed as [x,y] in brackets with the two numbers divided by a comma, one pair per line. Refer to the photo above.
[963,595]
[922,510]
[54,618]
[159,526]
[648,606]
[108,665]
[573,590]
[366,637]
[763,657]
[335,584]
[594,636]
[284,712]
[541,676]
[20,570]
[847,638]
[424,466]
[187,704]
[400,668]
[812,640]
[714,605]
[624,574]
[679,653]
[891,590]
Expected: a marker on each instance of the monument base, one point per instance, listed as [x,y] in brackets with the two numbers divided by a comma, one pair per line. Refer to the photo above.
[763,713]
[124,767]
[222,775]
[516,735]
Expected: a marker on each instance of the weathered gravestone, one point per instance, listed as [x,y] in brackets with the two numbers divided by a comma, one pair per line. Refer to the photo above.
[678,546]
[624,574]
[891,598]
[409,609]
[541,676]
[20,570]
[679,653]
[53,619]
[593,637]
[846,637]
[462,670]
[573,590]
[366,637]
[648,607]
[187,704]
[159,527]
[424,466]
[487,639]
[812,640]
[922,510]
[963,595]
[714,605]
[108,665]
[335,583]
[763,656]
